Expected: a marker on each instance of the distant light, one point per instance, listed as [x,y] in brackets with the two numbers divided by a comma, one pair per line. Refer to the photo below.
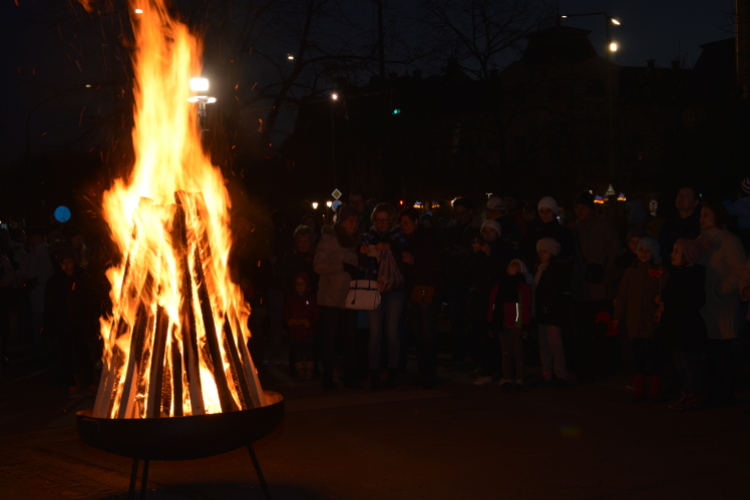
[315,205]
[88,86]
[401,202]
[334,96]
[564,17]
[622,197]
[199,84]
[329,204]
[613,47]
[138,11]
[290,57]
[614,21]
[202,98]
[397,111]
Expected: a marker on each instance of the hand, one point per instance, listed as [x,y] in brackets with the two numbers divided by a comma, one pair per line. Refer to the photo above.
[364,249]
[407,258]
[476,247]
[658,301]
[305,323]
[383,246]
[486,249]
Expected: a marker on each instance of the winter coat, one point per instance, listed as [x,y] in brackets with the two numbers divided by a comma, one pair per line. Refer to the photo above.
[724,264]
[684,294]
[597,243]
[549,295]
[485,271]
[328,262]
[424,247]
[302,307]
[456,242]
[676,228]
[510,304]
[740,209]
[291,265]
[395,237]
[636,296]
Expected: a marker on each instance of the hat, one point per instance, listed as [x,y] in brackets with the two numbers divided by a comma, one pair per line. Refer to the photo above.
[548,202]
[585,198]
[694,249]
[526,274]
[549,244]
[493,225]
[652,245]
[344,212]
[745,185]
[426,221]
[495,204]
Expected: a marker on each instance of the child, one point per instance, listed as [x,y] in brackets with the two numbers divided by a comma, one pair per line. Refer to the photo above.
[636,302]
[681,322]
[510,315]
[548,296]
[301,313]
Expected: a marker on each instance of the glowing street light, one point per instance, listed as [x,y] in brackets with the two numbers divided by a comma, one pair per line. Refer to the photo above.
[315,205]
[329,204]
[613,47]
[199,84]
[334,96]
[616,22]
[290,57]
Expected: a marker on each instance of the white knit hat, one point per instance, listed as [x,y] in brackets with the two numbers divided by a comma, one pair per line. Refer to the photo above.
[496,204]
[549,244]
[493,225]
[548,202]
[525,270]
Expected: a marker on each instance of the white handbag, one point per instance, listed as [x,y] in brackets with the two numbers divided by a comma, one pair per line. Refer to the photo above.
[364,295]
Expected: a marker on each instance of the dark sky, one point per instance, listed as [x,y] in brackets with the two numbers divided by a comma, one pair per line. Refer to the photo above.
[651,29]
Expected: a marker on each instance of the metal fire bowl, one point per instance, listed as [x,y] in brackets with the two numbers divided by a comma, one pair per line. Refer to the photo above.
[181,438]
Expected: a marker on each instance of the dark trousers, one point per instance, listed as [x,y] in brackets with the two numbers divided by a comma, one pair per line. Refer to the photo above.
[338,321]
[721,370]
[302,349]
[688,364]
[648,357]
[595,353]
[492,357]
[458,296]
[423,321]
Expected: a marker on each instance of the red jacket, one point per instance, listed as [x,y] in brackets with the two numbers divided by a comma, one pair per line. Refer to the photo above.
[302,307]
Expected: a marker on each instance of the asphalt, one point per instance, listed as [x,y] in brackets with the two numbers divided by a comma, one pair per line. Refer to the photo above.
[456,441]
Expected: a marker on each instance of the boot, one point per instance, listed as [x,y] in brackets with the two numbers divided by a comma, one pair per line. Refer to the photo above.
[375,380]
[300,369]
[654,393]
[640,387]
[309,370]
[390,381]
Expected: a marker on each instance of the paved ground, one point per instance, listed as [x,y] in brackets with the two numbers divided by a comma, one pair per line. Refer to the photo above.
[456,441]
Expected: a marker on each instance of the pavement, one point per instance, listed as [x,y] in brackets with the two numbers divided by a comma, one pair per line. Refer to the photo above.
[456,441]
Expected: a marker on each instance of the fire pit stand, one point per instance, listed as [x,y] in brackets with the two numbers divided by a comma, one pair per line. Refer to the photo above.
[182,438]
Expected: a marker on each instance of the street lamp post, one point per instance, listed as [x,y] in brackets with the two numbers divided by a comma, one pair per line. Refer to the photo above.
[200,85]
[610,48]
[334,98]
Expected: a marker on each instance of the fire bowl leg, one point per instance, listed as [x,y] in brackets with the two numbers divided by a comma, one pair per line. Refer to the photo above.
[144,480]
[262,480]
[134,477]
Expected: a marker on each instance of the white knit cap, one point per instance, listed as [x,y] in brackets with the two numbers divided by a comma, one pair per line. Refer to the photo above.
[493,225]
[525,270]
[549,244]
[496,204]
[548,202]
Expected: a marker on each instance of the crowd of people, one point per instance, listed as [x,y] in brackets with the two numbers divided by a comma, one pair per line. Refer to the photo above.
[666,299]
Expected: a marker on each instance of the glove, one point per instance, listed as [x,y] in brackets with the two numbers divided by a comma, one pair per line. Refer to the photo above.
[351,269]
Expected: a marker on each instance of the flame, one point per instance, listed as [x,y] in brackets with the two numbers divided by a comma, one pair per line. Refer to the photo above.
[179,324]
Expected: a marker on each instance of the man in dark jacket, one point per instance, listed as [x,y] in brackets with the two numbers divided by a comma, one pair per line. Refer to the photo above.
[456,240]
[684,225]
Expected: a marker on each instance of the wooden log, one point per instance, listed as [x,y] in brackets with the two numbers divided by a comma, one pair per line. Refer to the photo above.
[130,382]
[156,376]
[187,315]
[258,396]
[176,375]
[238,372]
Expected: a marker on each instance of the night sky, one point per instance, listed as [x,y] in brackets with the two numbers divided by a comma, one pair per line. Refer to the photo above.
[663,30]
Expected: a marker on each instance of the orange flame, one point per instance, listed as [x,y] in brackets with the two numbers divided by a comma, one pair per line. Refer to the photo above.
[174,304]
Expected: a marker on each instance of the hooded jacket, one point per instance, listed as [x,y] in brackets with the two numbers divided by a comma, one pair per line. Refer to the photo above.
[636,296]
[302,307]
[335,248]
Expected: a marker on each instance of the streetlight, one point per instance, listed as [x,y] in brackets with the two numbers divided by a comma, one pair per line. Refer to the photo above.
[201,85]
[315,205]
[329,204]
[613,47]
[334,98]
[290,57]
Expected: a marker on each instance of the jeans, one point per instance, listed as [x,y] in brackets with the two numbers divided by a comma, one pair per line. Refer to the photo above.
[551,351]
[423,321]
[337,320]
[386,317]
[689,366]
[458,296]
[512,345]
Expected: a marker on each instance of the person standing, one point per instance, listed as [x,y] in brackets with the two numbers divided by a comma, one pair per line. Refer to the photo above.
[336,262]
[382,238]
[358,201]
[423,262]
[592,290]
[456,241]
[33,274]
[684,225]
[724,263]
